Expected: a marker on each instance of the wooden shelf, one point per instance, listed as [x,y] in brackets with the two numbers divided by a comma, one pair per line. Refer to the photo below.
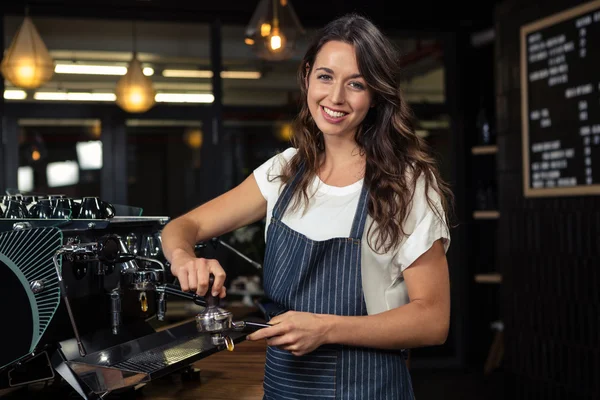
[487,214]
[492,277]
[479,150]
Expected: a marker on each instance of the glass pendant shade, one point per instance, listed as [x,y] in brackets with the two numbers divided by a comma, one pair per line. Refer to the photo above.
[134,91]
[274,30]
[27,63]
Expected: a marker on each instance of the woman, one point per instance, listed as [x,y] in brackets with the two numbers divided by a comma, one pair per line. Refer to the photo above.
[356,230]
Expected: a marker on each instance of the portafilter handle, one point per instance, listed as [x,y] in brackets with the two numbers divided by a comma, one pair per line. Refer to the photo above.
[248,325]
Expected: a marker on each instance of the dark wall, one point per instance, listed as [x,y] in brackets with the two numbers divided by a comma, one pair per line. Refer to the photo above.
[548,250]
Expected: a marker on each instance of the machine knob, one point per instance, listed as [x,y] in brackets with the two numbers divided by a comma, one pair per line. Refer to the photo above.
[37,286]
[112,250]
[109,250]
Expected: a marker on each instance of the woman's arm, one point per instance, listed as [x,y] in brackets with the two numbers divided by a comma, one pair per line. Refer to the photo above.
[424,321]
[238,207]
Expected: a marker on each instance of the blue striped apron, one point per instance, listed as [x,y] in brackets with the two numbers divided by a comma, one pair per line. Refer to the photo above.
[324,277]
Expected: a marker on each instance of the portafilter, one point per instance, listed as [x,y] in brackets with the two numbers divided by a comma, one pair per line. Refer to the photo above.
[217,321]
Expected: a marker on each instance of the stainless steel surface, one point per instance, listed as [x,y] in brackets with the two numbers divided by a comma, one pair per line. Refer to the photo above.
[146,358]
[103,380]
[163,356]
[152,261]
[129,265]
[115,311]
[22,225]
[217,339]
[131,243]
[214,319]
[161,309]
[143,280]
[128,219]
[37,286]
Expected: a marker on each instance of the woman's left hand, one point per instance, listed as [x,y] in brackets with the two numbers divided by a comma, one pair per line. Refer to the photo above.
[297,332]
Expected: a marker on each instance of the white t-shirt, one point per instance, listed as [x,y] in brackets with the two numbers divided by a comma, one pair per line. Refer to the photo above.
[331,213]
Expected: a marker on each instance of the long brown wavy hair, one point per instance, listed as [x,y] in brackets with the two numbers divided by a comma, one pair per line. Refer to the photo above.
[395,155]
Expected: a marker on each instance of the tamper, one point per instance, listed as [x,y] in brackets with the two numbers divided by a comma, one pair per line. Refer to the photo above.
[215,320]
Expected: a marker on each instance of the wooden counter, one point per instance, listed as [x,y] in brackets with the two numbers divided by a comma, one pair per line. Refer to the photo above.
[223,376]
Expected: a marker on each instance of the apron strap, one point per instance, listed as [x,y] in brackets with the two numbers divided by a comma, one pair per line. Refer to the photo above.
[284,200]
[360,218]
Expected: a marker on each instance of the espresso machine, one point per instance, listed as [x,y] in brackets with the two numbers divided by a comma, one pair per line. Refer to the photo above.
[79,291]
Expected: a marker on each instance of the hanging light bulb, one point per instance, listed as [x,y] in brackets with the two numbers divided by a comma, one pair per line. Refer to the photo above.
[27,63]
[134,91]
[274,30]
[277,41]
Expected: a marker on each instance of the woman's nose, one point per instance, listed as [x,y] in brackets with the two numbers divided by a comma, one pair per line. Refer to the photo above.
[337,93]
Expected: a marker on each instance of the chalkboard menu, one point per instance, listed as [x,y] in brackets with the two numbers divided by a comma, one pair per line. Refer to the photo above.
[560,97]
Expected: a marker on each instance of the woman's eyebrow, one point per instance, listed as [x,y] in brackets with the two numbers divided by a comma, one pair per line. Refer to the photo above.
[330,71]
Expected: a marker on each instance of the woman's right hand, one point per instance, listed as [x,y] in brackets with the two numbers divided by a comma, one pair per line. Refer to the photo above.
[193,274]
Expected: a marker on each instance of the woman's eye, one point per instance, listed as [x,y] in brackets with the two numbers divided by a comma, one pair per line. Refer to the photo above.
[357,85]
[324,77]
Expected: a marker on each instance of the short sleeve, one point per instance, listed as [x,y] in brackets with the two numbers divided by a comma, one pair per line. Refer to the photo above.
[423,225]
[270,169]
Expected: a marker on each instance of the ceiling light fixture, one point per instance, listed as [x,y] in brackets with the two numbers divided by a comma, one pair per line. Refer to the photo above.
[274,30]
[92,69]
[15,94]
[184,98]
[186,73]
[135,92]
[240,75]
[74,96]
[87,96]
[205,74]
[27,63]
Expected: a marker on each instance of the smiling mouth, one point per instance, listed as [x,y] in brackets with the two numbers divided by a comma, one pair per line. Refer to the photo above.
[333,114]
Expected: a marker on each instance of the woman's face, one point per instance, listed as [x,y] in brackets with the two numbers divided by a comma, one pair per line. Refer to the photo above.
[338,96]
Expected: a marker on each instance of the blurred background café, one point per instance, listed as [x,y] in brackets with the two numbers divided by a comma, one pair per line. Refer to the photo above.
[153,107]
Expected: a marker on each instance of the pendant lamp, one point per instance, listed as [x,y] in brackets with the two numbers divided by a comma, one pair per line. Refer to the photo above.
[274,30]
[134,91]
[27,63]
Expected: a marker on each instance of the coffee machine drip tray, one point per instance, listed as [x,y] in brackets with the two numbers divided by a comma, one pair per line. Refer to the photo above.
[145,359]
